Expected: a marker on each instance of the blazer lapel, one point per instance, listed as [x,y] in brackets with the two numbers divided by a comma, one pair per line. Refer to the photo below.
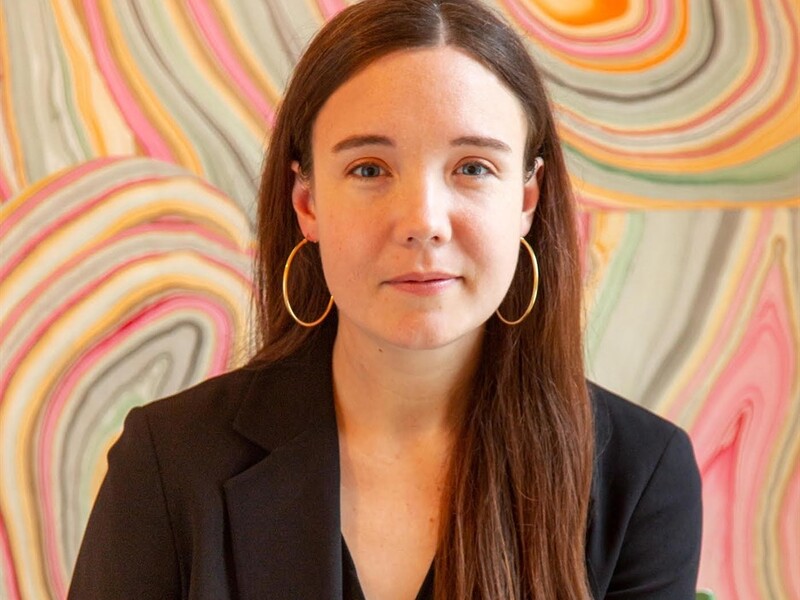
[284,510]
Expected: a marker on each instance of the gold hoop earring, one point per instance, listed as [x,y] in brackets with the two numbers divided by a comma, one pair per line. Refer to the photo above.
[286,303]
[535,291]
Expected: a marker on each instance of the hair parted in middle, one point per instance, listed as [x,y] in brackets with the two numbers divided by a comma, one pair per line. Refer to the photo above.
[514,515]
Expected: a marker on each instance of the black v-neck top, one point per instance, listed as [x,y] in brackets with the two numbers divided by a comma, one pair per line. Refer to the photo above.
[237,481]
[351,587]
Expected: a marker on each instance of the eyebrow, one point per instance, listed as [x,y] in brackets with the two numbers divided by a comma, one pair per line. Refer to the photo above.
[481,141]
[356,141]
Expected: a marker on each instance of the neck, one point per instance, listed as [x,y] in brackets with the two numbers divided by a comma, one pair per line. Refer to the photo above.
[390,393]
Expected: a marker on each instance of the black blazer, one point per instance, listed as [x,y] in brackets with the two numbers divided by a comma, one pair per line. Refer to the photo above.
[231,490]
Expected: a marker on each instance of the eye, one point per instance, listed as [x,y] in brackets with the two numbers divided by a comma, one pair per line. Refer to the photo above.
[367,170]
[474,169]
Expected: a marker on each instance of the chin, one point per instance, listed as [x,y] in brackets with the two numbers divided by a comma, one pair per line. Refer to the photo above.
[419,331]
[430,336]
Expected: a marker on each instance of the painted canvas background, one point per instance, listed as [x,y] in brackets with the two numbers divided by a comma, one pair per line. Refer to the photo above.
[131,135]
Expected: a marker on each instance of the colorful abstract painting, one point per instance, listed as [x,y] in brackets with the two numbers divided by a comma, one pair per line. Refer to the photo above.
[131,139]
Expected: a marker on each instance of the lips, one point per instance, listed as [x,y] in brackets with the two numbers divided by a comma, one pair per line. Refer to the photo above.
[424,277]
[428,283]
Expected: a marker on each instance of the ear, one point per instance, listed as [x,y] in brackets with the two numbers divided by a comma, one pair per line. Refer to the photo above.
[303,203]
[530,196]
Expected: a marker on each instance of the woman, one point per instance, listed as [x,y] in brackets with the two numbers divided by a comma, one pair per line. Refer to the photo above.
[413,425]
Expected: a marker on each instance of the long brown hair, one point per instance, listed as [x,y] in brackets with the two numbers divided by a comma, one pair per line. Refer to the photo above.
[513,520]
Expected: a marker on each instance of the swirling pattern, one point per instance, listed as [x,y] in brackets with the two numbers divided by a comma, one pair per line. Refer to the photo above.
[661,107]
[131,138]
[122,280]
[710,337]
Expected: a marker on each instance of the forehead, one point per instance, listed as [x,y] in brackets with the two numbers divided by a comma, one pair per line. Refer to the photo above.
[439,91]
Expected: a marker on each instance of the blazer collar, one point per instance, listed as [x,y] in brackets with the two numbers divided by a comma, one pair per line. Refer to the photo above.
[284,510]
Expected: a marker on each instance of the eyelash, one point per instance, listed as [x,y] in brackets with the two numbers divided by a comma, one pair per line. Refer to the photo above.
[352,172]
[487,170]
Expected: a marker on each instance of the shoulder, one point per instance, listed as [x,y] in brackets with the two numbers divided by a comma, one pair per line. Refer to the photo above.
[624,430]
[646,509]
[190,435]
[631,443]
[210,404]
[163,479]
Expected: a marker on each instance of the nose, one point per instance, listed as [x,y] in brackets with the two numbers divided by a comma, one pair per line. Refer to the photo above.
[423,214]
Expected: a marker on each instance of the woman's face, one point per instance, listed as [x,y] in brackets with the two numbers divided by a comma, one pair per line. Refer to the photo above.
[418,197]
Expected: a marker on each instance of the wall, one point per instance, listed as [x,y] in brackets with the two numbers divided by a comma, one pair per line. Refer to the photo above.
[131,135]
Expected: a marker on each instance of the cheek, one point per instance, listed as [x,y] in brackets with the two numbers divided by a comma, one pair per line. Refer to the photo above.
[345,252]
[335,253]
[495,238]
[499,255]
[506,253]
